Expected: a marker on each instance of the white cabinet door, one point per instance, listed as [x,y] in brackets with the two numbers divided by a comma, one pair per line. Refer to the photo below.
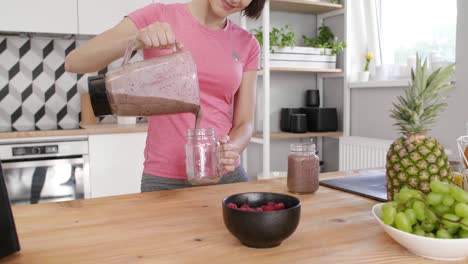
[45,16]
[116,163]
[97,16]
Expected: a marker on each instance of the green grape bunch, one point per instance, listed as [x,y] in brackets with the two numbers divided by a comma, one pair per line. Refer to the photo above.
[442,213]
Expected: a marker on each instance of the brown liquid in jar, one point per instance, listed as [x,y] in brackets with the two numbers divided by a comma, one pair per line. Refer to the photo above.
[303,173]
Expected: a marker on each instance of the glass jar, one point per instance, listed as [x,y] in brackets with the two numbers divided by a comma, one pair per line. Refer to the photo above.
[202,157]
[303,168]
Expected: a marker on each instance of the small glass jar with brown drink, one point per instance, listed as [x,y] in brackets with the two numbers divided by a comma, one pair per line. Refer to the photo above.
[303,168]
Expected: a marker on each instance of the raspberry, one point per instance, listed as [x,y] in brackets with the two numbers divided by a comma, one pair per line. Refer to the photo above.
[232,205]
[245,206]
[279,206]
[268,208]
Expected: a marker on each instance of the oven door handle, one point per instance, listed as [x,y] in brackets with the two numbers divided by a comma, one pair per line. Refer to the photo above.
[41,163]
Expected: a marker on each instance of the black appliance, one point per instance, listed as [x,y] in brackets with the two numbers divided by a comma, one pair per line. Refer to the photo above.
[321,119]
[285,118]
[9,243]
[298,123]
[40,171]
[312,98]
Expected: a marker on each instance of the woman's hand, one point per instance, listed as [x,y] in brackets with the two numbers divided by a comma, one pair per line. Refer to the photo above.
[229,154]
[157,36]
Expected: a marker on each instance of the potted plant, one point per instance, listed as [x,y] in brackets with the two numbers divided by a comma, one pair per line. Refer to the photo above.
[363,76]
[325,40]
[279,37]
[325,44]
[284,53]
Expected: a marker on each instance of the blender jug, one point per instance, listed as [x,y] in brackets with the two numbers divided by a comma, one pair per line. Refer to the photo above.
[162,85]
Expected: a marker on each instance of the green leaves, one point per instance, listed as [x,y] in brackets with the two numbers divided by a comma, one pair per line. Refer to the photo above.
[326,40]
[285,37]
[280,37]
[418,109]
[258,34]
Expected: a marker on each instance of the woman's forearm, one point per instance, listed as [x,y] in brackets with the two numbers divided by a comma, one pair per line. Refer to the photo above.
[240,135]
[244,108]
[103,49]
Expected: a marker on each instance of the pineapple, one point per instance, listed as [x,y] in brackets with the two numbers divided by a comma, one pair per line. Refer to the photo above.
[414,160]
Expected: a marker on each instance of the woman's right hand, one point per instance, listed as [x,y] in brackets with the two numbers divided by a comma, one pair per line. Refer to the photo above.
[157,36]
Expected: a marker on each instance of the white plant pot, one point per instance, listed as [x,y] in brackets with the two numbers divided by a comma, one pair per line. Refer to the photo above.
[363,76]
[302,50]
[302,57]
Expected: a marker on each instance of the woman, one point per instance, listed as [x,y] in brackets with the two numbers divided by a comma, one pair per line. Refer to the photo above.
[227,58]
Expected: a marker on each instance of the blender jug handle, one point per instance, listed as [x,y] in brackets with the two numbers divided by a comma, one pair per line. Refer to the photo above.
[131,47]
[128,52]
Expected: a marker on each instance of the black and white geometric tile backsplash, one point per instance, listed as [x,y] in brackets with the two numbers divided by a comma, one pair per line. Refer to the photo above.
[35,91]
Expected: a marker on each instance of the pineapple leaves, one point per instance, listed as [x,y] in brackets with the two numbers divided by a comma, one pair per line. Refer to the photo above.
[417,109]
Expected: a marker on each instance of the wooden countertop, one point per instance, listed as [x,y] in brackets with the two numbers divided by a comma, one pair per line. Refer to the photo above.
[186,226]
[86,130]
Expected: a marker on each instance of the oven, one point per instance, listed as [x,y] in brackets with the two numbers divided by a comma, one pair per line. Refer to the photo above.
[46,170]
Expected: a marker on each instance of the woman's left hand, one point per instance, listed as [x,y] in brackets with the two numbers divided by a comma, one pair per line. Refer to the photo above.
[229,154]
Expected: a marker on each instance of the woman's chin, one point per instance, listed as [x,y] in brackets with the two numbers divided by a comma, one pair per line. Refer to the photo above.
[221,12]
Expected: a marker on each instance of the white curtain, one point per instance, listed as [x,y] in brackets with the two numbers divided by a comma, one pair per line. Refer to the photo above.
[363,34]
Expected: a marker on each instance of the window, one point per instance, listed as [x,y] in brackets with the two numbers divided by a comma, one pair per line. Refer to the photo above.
[423,26]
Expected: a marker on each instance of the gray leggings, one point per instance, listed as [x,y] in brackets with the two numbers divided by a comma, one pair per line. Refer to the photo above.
[151,183]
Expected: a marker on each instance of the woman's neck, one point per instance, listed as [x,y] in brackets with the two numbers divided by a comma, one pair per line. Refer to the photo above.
[202,11]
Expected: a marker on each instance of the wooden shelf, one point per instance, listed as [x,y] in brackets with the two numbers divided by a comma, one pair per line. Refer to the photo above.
[304,6]
[286,69]
[284,135]
[329,73]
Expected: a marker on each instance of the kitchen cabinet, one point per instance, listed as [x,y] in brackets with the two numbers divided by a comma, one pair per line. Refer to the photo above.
[116,163]
[96,17]
[44,16]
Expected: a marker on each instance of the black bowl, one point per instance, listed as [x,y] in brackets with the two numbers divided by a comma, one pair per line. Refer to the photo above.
[261,229]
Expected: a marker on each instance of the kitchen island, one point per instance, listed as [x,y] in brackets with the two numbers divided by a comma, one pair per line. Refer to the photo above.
[186,226]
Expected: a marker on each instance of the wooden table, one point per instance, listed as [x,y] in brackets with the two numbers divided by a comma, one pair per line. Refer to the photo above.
[186,226]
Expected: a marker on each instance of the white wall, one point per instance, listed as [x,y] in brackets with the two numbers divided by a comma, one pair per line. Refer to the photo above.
[461,109]
[370,107]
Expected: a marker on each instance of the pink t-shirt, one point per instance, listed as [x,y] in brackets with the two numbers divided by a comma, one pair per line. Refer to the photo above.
[221,57]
